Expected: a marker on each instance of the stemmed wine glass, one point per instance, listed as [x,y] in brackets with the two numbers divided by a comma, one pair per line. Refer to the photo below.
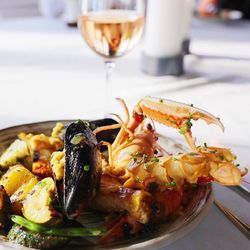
[111,28]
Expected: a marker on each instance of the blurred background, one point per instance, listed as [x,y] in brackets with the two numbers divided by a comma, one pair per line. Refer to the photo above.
[47,71]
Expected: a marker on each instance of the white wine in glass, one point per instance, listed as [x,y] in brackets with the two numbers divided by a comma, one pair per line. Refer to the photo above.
[111,28]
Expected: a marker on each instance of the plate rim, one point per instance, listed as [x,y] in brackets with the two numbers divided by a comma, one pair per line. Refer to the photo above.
[160,241]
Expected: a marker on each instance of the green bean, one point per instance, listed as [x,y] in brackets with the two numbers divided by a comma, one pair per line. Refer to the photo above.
[68,232]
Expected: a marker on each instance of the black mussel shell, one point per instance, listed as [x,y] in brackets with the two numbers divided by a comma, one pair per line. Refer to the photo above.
[108,135]
[82,170]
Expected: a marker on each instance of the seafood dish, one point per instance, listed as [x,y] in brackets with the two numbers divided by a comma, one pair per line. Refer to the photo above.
[98,182]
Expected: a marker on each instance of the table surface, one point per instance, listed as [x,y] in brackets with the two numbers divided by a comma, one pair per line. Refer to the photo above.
[48,73]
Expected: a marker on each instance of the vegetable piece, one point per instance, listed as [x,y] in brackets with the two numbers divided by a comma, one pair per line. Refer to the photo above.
[4,208]
[38,204]
[57,162]
[14,178]
[20,194]
[18,151]
[24,237]
[67,232]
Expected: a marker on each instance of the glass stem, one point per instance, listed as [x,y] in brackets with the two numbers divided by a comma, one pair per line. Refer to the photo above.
[110,65]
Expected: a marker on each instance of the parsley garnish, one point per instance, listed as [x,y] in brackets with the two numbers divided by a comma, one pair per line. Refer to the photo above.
[183,129]
[193,153]
[86,168]
[213,151]
[146,166]
[171,184]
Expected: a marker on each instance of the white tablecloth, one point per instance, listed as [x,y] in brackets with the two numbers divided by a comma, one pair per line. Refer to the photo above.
[47,72]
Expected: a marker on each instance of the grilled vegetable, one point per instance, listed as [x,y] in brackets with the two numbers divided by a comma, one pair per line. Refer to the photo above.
[17,152]
[14,178]
[24,237]
[4,208]
[57,162]
[67,232]
[38,204]
[82,168]
[20,194]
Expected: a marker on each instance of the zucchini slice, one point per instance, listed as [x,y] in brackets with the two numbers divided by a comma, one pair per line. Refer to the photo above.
[17,152]
[24,237]
[38,204]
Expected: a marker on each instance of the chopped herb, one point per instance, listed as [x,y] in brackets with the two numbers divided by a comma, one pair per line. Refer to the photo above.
[79,121]
[183,129]
[194,185]
[175,159]
[237,165]
[161,100]
[218,118]
[154,159]
[146,166]
[213,151]
[205,144]
[153,186]
[191,104]
[86,168]
[193,153]
[77,139]
[189,123]
[171,184]
[138,154]
[144,157]
[41,183]
[156,152]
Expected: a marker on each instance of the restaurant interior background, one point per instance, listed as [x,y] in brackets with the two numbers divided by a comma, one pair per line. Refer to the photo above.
[37,42]
[48,73]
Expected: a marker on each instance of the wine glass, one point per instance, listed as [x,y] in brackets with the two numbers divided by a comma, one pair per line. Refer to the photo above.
[111,28]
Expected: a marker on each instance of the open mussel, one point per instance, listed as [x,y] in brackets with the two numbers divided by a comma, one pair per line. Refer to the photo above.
[82,170]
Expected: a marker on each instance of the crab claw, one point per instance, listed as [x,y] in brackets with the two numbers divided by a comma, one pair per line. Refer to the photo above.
[176,114]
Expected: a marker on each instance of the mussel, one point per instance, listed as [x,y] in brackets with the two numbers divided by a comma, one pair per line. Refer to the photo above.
[82,170]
